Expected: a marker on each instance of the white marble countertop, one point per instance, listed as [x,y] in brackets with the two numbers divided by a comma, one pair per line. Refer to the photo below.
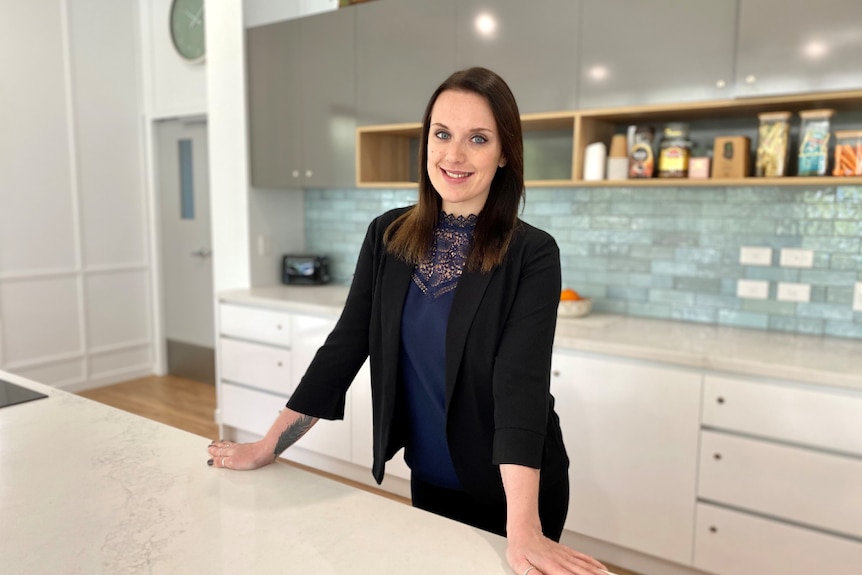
[87,489]
[819,360]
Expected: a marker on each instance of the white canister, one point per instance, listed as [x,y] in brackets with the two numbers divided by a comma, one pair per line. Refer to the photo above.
[595,156]
[618,168]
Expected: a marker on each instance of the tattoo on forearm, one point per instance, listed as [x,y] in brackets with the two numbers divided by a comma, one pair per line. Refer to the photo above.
[293,432]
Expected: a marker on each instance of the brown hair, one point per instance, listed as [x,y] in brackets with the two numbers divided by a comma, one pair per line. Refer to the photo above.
[411,235]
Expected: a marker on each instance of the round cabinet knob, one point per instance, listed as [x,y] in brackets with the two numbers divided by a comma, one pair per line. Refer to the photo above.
[278,327]
[719,400]
[717,456]
[556,373]
[713,529]
[279,364]
[308,173]
[295,173]
[750,79]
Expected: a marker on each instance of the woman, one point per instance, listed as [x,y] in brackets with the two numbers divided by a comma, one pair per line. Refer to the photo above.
[455,301]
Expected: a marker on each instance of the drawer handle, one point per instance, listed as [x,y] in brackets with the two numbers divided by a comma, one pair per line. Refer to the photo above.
[720,400]
[713,529]
[717,456]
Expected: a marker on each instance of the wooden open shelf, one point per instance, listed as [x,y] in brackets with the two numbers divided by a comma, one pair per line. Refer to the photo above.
[554,143]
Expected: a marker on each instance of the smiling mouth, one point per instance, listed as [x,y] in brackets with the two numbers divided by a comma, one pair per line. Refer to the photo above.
[457,175]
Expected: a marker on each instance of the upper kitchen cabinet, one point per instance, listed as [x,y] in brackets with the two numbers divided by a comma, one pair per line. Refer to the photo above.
[301,99]
[274,105]
[798,46]
[534,48]
[656,52]
[404,50]
[329,99]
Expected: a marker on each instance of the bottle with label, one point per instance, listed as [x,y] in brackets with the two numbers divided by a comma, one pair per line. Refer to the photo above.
[641,158]
[675,152]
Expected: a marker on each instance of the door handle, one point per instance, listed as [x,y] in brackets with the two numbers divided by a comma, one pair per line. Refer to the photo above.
[202,253]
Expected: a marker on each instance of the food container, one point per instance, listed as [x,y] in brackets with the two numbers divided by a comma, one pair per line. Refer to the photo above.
[675,151]
[641,156]
[848,153]
[731,157]
[814,142]
[773,149]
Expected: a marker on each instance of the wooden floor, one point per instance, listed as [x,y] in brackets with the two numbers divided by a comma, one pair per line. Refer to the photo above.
[190,405]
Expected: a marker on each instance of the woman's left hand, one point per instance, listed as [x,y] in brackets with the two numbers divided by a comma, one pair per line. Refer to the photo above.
[535,554]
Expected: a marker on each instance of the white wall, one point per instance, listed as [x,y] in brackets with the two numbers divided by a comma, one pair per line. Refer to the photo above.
[75,269]
[172,86]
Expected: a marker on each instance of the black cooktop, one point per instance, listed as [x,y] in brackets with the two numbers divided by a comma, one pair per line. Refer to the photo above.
[11,394]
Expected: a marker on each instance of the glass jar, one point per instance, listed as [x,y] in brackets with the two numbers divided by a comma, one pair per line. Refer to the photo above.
[675,152]
[773,149]
[641,162]
[848,153]
[814,142]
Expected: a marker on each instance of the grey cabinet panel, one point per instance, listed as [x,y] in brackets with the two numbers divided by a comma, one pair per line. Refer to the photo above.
[534,47]
[660,51]
[404,50]
[274,105]
[328,84]
[797,46]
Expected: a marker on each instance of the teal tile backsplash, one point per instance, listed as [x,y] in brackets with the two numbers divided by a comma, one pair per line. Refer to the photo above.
[669,253]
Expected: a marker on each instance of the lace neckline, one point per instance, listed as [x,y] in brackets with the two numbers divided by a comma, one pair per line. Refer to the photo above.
[449,221]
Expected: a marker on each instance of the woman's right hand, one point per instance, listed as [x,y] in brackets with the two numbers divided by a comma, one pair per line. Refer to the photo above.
[240,456]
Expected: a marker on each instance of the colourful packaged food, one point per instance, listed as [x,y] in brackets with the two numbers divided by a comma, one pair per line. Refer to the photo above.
[773,149]
[848,153]
[641,156]
[814,142]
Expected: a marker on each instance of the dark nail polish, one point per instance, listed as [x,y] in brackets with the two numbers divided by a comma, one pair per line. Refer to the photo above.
[210,462]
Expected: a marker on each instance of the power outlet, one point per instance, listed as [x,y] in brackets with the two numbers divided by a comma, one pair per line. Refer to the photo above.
[857,297]
[794,292]
[752,289]
[751,256]
[796,258]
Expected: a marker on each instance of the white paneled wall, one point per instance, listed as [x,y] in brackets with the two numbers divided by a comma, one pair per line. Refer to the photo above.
[75,272]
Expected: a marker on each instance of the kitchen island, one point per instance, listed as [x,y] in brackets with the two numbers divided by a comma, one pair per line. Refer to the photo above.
[88,489]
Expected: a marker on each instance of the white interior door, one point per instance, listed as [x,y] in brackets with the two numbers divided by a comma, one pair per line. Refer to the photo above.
[185,243]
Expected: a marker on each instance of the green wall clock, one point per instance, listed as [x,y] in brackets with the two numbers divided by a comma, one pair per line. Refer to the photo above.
[187,29]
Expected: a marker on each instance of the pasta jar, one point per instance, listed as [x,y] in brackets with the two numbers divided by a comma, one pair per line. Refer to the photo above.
[814,142]
[848,153]
[675,150]
[773,149]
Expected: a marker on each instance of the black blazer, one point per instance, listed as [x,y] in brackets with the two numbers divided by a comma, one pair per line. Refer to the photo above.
[498,360]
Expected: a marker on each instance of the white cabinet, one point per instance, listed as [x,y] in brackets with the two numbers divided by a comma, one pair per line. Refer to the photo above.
[631,432]
[263,354]
[780,482]
[330,438]
[733,543]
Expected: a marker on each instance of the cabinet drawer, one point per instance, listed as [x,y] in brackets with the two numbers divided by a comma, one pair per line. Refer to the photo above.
[248,409]
[255,324]
[829,418]
[261,366]
[730,542]
[800,485]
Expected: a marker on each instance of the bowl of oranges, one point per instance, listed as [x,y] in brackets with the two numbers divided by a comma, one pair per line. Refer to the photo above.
[572,304]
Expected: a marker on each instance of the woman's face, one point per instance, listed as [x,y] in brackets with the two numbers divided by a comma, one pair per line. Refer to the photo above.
[464,151]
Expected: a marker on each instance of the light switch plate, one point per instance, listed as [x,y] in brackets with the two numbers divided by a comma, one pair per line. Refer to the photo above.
[794,292]
[857,297]
[797,258]
[754,256]
[752,289]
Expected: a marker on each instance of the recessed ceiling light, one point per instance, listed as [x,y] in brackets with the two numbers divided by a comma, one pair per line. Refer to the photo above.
[815,50]
[598,73]
[485,24]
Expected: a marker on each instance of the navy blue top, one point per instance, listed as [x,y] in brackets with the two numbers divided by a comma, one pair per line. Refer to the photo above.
[423,350]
